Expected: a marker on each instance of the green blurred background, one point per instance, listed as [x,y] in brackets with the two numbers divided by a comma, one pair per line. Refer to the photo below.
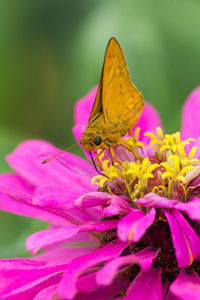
[51,54]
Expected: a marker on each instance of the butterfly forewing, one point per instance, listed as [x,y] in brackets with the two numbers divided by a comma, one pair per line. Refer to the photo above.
[121,101]
[126,105]
[114,65]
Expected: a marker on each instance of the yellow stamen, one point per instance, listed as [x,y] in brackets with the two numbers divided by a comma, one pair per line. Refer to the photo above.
[164,173]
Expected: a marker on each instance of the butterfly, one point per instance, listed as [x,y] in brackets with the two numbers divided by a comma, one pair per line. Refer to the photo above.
[117,106]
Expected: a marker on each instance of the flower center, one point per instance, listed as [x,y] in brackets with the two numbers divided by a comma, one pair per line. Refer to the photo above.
[164,167]
[167,170]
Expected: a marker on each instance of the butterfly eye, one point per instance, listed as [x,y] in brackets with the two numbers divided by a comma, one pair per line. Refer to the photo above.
[97,140]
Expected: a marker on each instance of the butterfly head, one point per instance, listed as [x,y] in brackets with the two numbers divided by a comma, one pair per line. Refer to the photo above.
[91,141]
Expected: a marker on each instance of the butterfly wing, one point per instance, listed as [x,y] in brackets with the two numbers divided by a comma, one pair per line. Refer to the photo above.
[114,64]
[97,106]
[121,101]
[117,97]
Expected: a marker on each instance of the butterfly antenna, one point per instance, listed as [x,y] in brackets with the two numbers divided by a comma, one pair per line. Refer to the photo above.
[96,166]
[48,159]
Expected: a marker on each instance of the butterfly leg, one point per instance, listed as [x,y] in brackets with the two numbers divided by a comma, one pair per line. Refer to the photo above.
[98,155]
[113,156]
[129,132]
[97,160]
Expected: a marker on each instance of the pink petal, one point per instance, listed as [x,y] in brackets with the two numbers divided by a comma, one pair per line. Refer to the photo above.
[121,154]
[78,132]
[185,240]
[76,164]
[133,226]
[156,201]
[82,111]
[87,283]
[65,254]
[117,206]
[94,199]
[14,181]
[108,292]
[143,258]
[24,159]
[118,286]
[191,208]
[195,143]
[148,121]
[186,286]
[46,238]
[83,107]
[15,186]
[15,206]
[60,199]
[56,197]
[27,157]
[146,286]
[67,286]
[47,294]
[24,278]
[88,287]
[191,115]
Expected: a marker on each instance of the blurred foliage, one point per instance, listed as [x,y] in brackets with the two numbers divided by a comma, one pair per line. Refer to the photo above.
[51,54]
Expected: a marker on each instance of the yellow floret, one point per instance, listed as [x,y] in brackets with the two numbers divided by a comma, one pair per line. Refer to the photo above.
[175,167]
[163,142]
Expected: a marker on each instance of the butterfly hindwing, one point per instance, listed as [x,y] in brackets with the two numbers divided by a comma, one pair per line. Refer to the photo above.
[97,106]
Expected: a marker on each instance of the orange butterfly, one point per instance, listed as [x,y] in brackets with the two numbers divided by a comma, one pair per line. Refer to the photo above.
[117,106]
[118,103]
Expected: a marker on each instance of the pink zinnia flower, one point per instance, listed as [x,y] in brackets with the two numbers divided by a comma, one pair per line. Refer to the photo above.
[131,235]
